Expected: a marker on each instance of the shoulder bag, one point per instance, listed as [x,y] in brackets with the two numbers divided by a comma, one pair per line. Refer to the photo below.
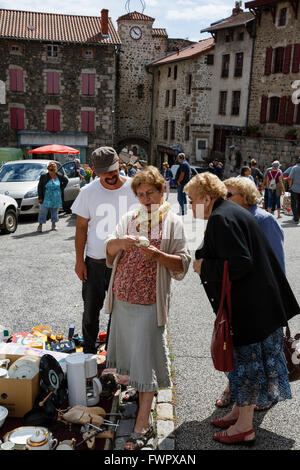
[222,342]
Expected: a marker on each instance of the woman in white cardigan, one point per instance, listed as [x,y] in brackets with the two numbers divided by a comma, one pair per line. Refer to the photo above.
[146,251]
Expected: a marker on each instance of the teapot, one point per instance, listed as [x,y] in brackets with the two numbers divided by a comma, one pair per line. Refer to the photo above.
[41,440]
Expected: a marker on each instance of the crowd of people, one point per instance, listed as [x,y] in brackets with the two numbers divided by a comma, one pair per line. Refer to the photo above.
[128,254]
[129,246]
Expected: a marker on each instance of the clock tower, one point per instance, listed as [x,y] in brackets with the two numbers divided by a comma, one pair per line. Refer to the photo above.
[141,44]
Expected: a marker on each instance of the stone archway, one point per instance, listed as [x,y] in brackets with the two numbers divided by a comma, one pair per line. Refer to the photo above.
[135,140]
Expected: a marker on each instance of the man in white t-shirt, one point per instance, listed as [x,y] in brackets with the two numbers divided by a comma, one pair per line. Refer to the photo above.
[99,207]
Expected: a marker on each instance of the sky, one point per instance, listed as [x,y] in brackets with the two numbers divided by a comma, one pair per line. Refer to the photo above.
[181,18]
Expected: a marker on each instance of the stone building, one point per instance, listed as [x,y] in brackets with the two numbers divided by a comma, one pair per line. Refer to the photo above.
[58,80]
[231,71]
[181,103]
[141,45]
[274,107]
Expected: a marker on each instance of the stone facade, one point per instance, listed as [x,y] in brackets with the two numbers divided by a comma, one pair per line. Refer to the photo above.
[274,79]
[182,105]
[134,80]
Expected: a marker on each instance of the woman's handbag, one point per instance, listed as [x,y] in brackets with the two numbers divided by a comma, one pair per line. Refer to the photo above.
[222,342]
[292,354]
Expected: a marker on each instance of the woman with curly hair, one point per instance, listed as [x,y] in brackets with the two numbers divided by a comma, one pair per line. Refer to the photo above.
[232,234]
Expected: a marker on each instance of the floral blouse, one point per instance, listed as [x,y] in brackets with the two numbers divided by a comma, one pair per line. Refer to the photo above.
[135,277]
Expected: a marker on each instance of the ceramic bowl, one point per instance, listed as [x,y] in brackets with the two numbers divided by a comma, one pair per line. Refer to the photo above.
[3,415]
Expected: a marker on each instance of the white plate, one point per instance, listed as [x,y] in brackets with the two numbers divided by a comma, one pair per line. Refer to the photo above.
[20,435]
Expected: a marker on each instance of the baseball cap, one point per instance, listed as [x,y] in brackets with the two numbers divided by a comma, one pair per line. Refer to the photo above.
[105,159]
[181,155]
[276,164]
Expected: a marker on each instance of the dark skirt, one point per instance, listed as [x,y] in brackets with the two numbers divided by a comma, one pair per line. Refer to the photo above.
[260,374]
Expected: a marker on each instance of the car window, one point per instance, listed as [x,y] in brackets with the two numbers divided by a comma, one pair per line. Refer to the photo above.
[22,172]
[70,169]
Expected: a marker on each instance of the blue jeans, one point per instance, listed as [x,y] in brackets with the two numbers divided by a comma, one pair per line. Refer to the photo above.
[181,197]
[44,212]
[273,200]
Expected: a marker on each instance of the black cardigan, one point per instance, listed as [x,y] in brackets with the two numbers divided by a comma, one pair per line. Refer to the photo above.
[262,300]
[44,180]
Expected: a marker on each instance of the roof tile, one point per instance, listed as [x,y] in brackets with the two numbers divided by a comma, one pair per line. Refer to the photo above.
[187,53]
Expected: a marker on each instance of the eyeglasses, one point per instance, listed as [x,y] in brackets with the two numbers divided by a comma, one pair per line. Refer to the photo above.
[147,194]
[230,195]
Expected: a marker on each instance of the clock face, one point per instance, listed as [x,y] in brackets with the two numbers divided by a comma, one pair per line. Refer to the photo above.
[136,32]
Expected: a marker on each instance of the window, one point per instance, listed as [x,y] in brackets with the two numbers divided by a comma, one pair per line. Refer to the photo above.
[52,50]
[173,124]
[241,37]
[298,114]
[140,91]
[235,105]
[189,84]
[166,125]
[17,118]
[175,72]
[187,133]
[238,69]
[210,59]
[16,80]
[274,109]
[88,53]
[167,98]
[222,102]
[53,120]
[88,121]
[88,83]
[169,72]
[282,17]
[16,49]
[174,98]
[229,36]
[225,66]
[278,60]
[187,117]
[52,83]
[296,58]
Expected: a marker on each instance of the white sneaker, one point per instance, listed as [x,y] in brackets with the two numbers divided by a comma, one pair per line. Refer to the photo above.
[39,229]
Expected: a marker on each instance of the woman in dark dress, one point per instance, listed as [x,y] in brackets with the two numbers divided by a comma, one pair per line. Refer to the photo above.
[260,374]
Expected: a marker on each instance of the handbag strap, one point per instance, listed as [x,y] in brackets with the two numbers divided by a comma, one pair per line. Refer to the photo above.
[224,284]
[227,293]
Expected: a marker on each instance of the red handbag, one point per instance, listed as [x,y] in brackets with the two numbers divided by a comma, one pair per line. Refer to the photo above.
[222,342]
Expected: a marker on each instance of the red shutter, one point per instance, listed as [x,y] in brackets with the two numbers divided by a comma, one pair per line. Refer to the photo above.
[49,125]
[84,121]
[20,118]
[13,118]
[290,112]
[56,120]
[263,109]
[91,84]
[56,82]
[91,121]
[85,83]
[287,59]
[296,58]
[20,80]
[49,82]
[13,80]
[268,63]
[282,107]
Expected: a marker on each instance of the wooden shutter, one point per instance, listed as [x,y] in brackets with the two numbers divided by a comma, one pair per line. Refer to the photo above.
[290,112]
[91,118]
[53,82]
[20,80]
[84,121]
[56,83]
[49,125]
[268,63]
[287,59]
[296,58]
[91,84]
[282,108]
[20,118]
[13,118]
[263,109]
[13,80]
[56,120]
[85,83]
[49,76]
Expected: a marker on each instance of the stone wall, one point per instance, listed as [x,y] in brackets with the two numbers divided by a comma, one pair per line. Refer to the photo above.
[135,82]
[264,150]
[35,100]
[175,44]
[191,110]
[270,34]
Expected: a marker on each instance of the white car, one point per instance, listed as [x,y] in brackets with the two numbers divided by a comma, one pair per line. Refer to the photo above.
[8,214]
[19,179]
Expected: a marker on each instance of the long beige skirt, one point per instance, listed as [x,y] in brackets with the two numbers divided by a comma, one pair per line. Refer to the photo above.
[137,346]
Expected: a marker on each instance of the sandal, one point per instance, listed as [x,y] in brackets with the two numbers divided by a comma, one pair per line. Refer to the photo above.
[224,400]
[263,408]
[139,439]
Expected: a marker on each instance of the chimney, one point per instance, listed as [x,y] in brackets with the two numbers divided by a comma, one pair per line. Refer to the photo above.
[237,9]
[104,22]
